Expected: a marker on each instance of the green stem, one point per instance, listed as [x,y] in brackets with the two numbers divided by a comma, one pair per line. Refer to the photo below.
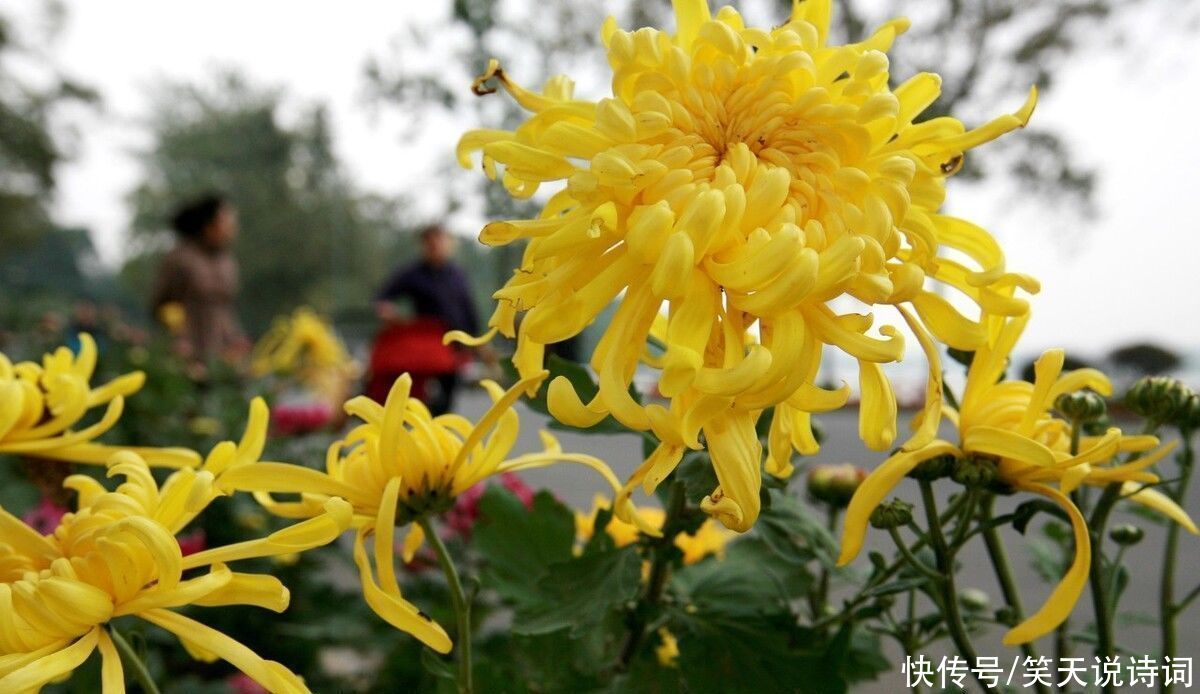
[954,622]
[1182,605]
[1004,575]
[660,565]
[133,662]
[819,606]
[878,579]
[462,607]
[1105,646]
[1168,610]
[912,559]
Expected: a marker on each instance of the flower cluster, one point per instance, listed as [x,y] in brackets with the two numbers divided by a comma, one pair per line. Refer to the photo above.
[306,348]
[397,467]
[1008,437]
[42,404]
[119,554]
[736,183]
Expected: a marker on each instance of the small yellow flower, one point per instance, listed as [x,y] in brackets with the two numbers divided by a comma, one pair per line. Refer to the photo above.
[708,540]
[667,649]
[400,465]
[118,555]
[41,403]
[306,346]
[173,317]
[737,181]
[1010,422]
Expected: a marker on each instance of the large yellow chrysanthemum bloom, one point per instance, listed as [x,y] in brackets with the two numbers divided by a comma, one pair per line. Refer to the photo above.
[1010,422]
[305,346]
[741,179]
[40,403]
[118,555]
[708,540]
[398,466]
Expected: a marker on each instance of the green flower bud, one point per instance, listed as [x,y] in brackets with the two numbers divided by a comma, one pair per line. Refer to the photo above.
[974,599]
[1126,534]
[1006,616]
[835,484]
[891,514]
[1189,415]
[1081,406]
[1159,398]
[974,471]
[934,468]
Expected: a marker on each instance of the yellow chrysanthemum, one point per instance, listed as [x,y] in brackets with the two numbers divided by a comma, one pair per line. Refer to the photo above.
[41,403]
[173,316]
[401,465]
[306,347]
[741,179]
[1010,422]
[667,650]
[118,555]
[708,540]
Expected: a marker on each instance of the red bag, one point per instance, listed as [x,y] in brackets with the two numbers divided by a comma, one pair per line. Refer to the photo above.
[415,347]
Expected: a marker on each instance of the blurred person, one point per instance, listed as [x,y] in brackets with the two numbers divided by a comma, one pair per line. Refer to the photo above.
[440,293]
[198,282]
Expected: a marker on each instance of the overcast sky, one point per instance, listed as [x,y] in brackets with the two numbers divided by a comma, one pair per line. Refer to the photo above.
[1131,274]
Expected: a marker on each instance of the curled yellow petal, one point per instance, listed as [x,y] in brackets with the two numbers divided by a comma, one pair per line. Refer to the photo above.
[1064,596]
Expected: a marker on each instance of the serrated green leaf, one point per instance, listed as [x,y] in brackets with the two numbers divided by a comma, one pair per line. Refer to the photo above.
[519,544]
[580,593]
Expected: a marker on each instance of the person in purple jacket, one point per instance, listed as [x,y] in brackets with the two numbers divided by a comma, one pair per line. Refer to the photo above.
[439,289]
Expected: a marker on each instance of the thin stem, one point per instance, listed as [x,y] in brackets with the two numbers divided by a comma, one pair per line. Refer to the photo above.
[1182,605]
[462,607]
[822,597]
[133,662]
[1105,646]
[1004,575]
[954,622]
[1168,610]
[912,559]
[660,565]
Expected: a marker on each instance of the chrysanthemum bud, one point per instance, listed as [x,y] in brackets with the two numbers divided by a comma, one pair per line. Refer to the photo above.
[1006,616]
[835,484]
[974,599]
[1189,416]
[1158,398]
[1126,534]
[891,514]
[934,468]
[974,471]
[1081,406]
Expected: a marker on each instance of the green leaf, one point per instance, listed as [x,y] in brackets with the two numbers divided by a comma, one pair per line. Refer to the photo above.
[439,667]
[751,579]
[901,586]
[579,594]
[795,533]
[519,544]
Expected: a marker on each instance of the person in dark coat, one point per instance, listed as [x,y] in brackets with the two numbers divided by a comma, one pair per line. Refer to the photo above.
[440,294]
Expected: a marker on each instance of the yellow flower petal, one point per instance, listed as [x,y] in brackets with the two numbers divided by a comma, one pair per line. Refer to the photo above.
[1062,599]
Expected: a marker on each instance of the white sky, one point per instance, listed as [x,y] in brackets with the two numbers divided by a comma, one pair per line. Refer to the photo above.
[1131,274]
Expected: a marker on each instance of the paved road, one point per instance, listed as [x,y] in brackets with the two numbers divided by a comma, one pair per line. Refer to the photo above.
[576,485]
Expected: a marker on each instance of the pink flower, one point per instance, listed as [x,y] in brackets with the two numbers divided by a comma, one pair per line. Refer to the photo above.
[46,516]
[462,517]
[240,683]
[302,418]
[193,542]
